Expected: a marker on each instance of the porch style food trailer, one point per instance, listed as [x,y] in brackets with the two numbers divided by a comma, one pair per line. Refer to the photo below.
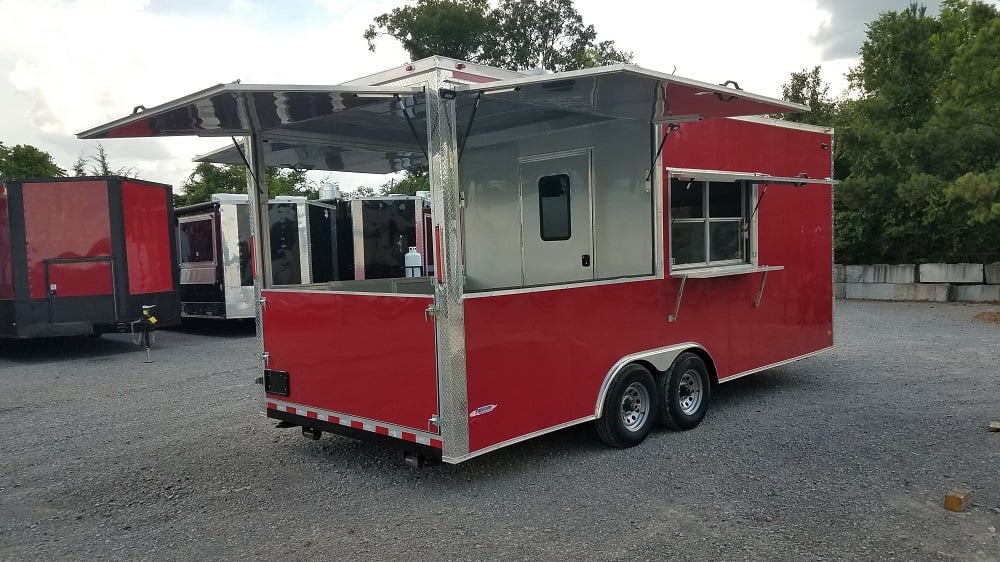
[609,244]
[83,256]
[311,242]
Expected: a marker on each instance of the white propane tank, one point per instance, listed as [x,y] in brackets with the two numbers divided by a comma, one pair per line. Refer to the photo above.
[413,263]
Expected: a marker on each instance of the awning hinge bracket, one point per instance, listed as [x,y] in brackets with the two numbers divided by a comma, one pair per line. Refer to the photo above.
[430,311]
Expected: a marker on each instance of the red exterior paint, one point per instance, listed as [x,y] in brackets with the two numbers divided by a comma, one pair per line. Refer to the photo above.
[78,279]
[541,357]
[6,266]
[367,356]
[147,238]
[684,100]
[66,220]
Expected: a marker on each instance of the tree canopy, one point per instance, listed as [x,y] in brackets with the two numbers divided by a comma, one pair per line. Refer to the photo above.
[25,161]
[917,148]
[207,179]
[516,34]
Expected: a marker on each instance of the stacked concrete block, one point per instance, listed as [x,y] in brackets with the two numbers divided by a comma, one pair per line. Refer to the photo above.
[930,292]
[992,271]
[951,273]
[976,293]
[933,282]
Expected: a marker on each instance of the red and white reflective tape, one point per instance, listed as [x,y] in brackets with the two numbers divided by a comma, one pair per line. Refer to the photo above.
[362,424]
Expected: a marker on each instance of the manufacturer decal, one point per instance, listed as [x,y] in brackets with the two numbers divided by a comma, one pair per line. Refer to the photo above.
[482,410]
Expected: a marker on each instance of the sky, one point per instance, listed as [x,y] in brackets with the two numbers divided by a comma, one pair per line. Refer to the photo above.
[69,65]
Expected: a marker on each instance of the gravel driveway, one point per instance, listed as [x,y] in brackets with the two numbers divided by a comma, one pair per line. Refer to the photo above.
[843,456]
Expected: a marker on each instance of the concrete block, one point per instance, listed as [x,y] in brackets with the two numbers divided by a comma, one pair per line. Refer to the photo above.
[840,290]
[951,273]
[840,275]
[884,273]
[936,292]
[957,499]
[976,293]
[992,271]
[995,426]
[854,274]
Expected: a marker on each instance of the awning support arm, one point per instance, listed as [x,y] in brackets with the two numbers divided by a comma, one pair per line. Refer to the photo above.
[406,113]
[472,119]
[659,150]
[760,291]
[677,304]
[243,155]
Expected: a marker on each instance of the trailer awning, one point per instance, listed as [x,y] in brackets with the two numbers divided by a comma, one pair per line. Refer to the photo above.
[752,177]
[306,155]
[240,109]
[626,91]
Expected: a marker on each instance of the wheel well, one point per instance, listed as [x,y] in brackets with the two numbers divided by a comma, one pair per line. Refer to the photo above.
[713,373]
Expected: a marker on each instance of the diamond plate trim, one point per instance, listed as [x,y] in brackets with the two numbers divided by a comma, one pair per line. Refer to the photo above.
[449,319]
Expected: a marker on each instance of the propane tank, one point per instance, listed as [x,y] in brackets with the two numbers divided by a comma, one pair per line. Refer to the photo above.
[413,263]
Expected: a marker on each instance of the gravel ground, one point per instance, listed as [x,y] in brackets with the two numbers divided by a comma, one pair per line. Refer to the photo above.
[843,456]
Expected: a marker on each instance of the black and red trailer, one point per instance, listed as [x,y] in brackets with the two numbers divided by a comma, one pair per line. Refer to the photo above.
[83,256]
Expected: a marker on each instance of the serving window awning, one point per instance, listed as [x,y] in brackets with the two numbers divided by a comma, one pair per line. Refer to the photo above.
[685,174]
[241,109]
[627,91]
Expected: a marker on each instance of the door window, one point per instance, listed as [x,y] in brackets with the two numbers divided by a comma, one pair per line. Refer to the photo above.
[197,241]
[554,208]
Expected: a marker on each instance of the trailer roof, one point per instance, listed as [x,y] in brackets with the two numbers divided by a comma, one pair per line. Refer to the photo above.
[380,129]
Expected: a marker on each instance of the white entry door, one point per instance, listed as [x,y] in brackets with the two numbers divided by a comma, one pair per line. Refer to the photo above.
[556,224]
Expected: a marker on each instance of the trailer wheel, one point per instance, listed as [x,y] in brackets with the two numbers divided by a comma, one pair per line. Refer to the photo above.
[684,392]
[630,408]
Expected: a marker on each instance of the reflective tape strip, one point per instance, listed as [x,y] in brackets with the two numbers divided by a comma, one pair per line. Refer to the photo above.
[370,426]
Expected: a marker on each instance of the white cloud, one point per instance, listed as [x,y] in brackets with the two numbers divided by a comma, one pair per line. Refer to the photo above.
[67,65]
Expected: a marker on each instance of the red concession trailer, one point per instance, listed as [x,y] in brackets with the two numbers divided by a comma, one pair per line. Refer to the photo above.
[84,255]
[609,243]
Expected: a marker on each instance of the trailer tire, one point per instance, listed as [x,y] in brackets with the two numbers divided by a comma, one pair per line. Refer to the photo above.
[684,392]
[630,408]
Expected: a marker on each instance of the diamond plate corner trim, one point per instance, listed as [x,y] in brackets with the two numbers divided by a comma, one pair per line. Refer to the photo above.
[449,319]
[256,195]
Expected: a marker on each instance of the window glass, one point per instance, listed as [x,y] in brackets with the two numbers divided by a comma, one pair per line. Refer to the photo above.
[553,205]
[688,242]
[725,200]
[725,241]
[196,241]
[686,199]
[707,222]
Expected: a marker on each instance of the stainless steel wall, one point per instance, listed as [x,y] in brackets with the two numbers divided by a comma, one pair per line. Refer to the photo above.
[622,217]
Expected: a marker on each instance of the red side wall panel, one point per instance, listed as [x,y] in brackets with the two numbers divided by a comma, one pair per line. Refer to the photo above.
[540,357]
[66,220]
[147,238]
[79,279]
[6,265]
[368,356]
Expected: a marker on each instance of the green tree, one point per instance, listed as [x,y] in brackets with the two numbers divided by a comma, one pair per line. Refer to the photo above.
[207,179]
[99,164]
[25,161]
[918,148]
[808,88]
[415,179]
[516,34]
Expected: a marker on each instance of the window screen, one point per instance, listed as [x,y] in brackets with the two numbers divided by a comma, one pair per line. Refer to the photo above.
[553,207]
[197,241]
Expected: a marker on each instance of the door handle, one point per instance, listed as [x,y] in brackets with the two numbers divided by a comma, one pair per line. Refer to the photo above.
[585,260]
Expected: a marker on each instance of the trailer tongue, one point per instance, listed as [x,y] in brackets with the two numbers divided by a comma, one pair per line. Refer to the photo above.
[600,239]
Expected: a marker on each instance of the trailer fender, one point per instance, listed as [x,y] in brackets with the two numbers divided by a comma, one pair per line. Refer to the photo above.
[660,359]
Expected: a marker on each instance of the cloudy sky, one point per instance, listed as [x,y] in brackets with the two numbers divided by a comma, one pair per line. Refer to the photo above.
[69,65]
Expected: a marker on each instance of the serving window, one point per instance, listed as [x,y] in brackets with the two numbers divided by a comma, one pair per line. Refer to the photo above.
[709,223]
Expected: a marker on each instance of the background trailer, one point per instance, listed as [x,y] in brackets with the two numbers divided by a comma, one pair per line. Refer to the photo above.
[608,244]
[312,242]
[83,255]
